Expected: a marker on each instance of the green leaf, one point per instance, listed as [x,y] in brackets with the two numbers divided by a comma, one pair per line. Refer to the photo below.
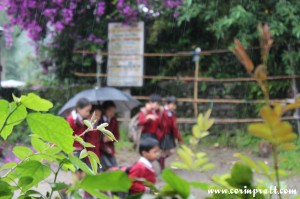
[200,155]
[248,161]
[264,168]
[109,181]
[53,150]
[11,176]
[4,110]
[58,186]
[200,185]
[181,186]
[5,190]
[94,156]
[38,144]
[83,154]
[151,186]
[18,114]
[237,180]
[77,162]
[94,160]
[200,162]
[208,167]
[22,152]
[40,157]
[167,190]
[6,131]
[34,102]
[76,195]
[102,126]
[32,193]
[88,145]
[53,129]
[186,158]
[67,165]
[78,139]
[196,131]
[16,99]
[187,150]
[88,124]
[203,134]
[25,182]
[35,169]
[98,194]
[109,134]
[180,165]
[8,166]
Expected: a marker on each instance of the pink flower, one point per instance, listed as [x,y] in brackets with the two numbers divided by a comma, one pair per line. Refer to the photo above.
[100,8]
[59,26]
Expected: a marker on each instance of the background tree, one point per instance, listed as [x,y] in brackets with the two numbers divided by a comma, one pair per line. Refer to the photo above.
[60,27]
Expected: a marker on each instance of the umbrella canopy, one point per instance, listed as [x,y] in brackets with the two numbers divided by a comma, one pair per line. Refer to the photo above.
[123,101]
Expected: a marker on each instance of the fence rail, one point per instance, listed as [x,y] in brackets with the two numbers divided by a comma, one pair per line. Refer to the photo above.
[220,120]
[196,79]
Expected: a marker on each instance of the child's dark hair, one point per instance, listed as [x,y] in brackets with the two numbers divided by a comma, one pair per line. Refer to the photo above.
[155,98]
[108,104]
[96,107]
[171,99]
[147,144]
[82,102]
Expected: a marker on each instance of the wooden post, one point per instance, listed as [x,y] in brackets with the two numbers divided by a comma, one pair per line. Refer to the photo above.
[196,59]
[295,95]
[196,89]
[126,114]
[295,91]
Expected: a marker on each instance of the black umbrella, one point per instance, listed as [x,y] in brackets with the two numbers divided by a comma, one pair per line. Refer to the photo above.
[123,101]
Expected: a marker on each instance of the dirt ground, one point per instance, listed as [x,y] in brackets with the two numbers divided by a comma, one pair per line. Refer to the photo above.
[221,157]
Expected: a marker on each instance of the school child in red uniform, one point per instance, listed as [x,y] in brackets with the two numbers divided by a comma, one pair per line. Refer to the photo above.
[93,137]
[169,130]
[107,147]
[149,117]
[75,119]
[143,169]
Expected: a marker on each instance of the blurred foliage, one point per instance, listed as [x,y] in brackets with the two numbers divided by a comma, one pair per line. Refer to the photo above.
[212,25]
[208,24]
[289,159]
[20,60]
[190,159]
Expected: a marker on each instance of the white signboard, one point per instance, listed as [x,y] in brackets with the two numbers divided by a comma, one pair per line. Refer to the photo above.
[125,65]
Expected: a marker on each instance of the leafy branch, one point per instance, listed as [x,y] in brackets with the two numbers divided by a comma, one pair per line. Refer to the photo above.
[273,129]
[55,178]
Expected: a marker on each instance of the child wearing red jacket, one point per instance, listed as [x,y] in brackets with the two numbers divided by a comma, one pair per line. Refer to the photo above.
[169,130]
[143,169]
[149,117]
[75,119]
[107,147]
[93,137]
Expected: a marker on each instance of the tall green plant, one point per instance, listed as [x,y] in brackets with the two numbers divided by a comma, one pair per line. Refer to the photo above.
[273,129]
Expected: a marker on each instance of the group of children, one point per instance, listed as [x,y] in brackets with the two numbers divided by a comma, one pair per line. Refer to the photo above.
[104,147]
[159,122]
[159,133]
